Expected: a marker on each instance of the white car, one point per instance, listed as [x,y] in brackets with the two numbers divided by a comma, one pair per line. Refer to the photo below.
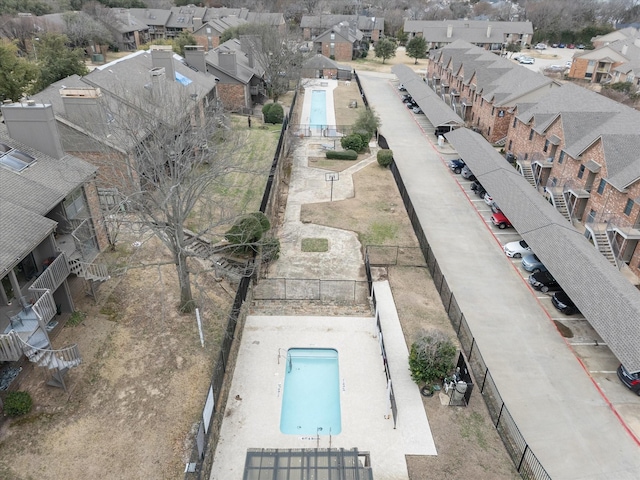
[517,249]
[527,60]
[540,46]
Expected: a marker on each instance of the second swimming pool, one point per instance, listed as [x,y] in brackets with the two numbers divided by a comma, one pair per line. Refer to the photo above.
[311,397]
[318,114]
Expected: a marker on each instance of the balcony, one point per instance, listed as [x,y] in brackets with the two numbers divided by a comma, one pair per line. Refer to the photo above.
[53,275]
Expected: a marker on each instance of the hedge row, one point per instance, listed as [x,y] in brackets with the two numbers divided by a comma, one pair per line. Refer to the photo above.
[342,155]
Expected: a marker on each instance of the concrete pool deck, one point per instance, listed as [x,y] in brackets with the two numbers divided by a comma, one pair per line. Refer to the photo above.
[252,415]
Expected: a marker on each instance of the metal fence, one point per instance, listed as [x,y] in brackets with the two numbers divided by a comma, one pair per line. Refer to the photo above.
[347,292]
[523,458]
[383,351]
[327,131]
[208,430]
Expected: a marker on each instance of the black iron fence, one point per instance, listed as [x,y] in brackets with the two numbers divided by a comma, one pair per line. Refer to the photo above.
[523,458]
[210,423]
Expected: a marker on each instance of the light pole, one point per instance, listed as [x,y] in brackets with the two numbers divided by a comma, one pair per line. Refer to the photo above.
[35,51]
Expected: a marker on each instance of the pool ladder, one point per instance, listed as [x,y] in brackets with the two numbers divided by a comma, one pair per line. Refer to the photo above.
[288,357]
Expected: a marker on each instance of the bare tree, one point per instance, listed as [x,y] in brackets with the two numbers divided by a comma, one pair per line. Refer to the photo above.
[180,170]
[84,31]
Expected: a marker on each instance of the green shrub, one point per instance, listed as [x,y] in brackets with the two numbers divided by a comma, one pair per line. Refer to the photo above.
[265,225]
[17,403]
[385,157]
[352,142]
[275,114]
[265,109]
[431,357]
[364,136]
[342,155]
[367,121]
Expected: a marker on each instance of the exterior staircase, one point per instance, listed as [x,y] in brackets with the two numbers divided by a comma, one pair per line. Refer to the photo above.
[527,173]
[91,271]
[601,240]
[27,333]
[557,197]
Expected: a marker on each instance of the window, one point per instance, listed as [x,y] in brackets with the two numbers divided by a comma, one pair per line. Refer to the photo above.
[601,186]
[510,143]
[526,156]
[333,36]
[515,121]
[493,110]
[546,146]
[561,157]
[592,63]
[482,101]
[74,204]
[581,171]
[500,113]
[489,132]
[531,134]
[628,207]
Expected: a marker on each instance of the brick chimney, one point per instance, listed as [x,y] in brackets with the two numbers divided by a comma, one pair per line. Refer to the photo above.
[34,125]
[194,56]
[162,57]
[227,62]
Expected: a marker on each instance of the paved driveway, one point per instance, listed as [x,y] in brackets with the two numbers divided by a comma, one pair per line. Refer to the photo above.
[567,423]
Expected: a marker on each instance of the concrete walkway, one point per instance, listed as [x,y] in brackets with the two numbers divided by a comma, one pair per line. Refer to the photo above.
[564,419]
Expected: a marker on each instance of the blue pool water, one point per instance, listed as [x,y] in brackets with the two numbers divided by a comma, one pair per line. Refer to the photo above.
[311,397]
[318,116]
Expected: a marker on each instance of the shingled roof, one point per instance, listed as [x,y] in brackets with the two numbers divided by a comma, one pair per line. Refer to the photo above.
[607,300]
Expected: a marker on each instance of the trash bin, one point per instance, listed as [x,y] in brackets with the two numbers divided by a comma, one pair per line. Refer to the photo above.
[457,396]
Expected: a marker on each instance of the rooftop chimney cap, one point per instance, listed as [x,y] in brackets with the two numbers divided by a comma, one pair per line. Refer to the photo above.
[31,102]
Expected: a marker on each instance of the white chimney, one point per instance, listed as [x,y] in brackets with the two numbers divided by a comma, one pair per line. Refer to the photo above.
[624,49]
[489,31]
[449,31]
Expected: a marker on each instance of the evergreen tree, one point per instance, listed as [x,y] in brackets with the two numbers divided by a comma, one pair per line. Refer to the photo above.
[417,48]
[385,49]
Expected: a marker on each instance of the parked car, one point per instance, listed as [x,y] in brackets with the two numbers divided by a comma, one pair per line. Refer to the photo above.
[580,46]
[563,303]
[500,220]
[631,380]
[441,130]
[401,88]
[561,45]
[540,46]
[571,45]
[544,282]
[417,109]
[477,188]
[411,105]
[488,199]
[517,249]
[466,173]
[406,97]
[568,64]
[531,263]
[554,45]
[456,165]
[527,60]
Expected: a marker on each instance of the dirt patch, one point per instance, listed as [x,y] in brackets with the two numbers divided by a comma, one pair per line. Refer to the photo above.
[131,404]
[563,329]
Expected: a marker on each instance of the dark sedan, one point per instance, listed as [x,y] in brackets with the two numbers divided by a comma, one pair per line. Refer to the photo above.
[631,380]
[544,282]
[563,303]
[456,165]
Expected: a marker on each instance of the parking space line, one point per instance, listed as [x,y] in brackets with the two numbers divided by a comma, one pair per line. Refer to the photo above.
[588,344]
[608,372]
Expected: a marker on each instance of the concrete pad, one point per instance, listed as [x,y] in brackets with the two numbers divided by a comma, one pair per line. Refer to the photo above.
[252,415]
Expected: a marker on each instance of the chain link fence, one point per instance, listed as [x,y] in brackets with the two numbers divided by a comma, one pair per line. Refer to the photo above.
[344,292]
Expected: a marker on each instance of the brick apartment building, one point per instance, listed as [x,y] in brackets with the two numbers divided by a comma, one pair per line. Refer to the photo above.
[578,148]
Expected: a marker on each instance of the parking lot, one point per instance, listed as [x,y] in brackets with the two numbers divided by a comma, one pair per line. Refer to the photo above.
[588,347]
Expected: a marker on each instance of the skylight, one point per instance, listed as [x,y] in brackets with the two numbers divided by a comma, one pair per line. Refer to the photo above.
[14,159]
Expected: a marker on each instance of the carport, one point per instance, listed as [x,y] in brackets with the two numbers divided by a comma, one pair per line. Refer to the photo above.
[438,113]
[607,300]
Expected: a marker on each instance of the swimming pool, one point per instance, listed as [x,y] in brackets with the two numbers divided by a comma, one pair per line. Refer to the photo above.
[318,115]
[311,397]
